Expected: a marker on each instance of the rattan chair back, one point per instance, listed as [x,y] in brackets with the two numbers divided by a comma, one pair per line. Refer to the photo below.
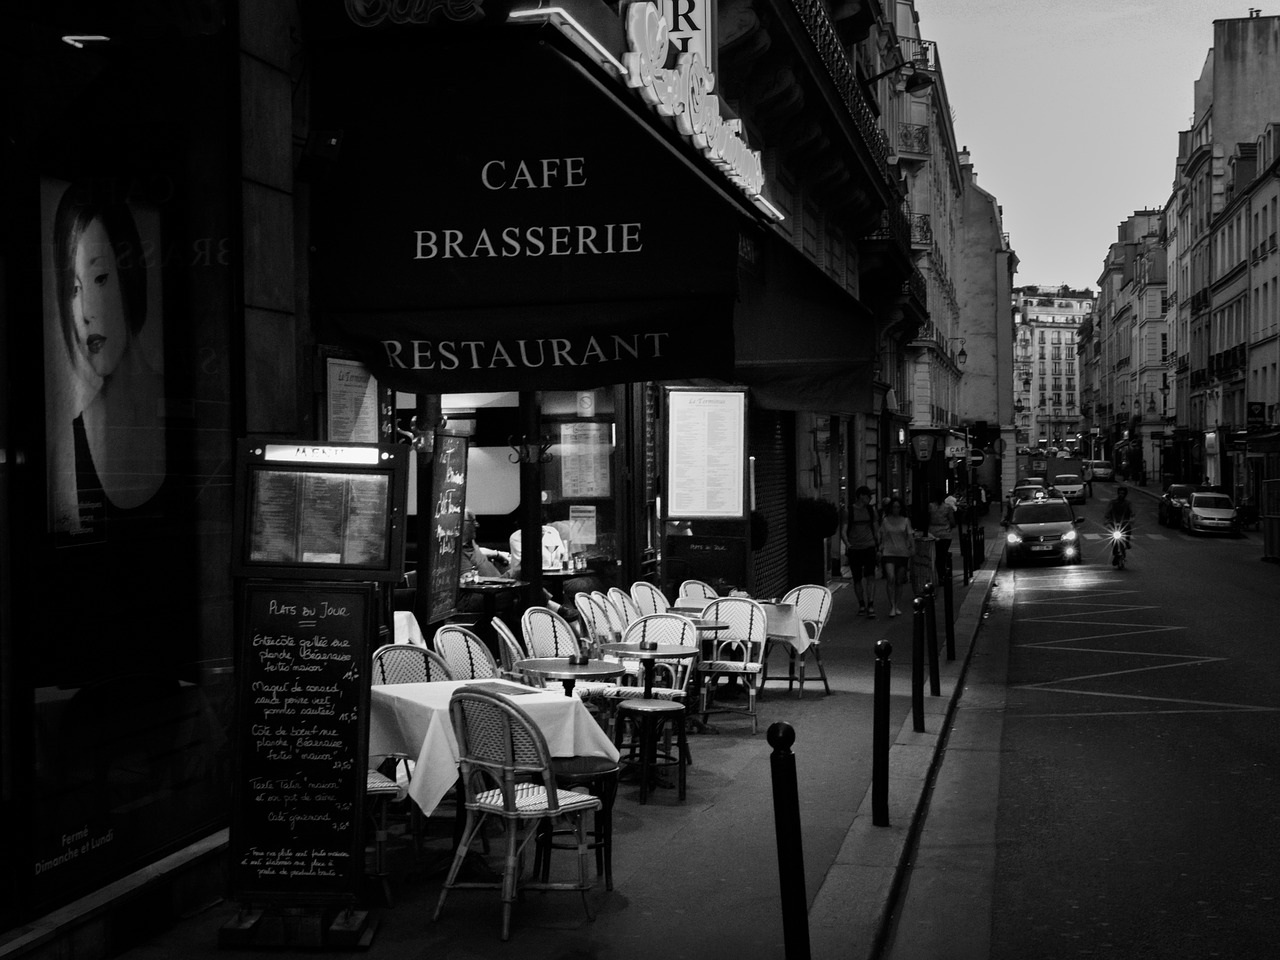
[465,653]
[547,634]
[408,663]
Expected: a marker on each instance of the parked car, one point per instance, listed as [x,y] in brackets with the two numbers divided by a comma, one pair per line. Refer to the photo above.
[1175,497]
[1042,528]
[1023,491]
[1207,512]
[1103,470]
[1070,486]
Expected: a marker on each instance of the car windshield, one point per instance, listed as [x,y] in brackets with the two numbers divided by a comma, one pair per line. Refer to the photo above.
[1212,501]
[1179,491]
[1042,513]
[1062,478]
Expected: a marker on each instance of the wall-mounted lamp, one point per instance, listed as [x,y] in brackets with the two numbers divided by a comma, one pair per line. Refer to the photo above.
[961,357]
[1151,402]
[917,79]
[524,450]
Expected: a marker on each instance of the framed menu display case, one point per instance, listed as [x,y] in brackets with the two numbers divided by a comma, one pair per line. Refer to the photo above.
[706,454]
[320,511]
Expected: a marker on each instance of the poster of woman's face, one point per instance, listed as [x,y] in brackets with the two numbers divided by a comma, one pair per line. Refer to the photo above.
[104,358]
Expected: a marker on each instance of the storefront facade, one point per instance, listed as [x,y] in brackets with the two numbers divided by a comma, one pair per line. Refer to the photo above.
[276,191]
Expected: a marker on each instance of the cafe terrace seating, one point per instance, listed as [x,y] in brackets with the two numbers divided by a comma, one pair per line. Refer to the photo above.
[648,598]
[547,634]
[616,619]
[408,663]
[736,653]
[813,605]
[698,589]
[510,649]
[625,605]
[506,773]
[647,718]
[465,654]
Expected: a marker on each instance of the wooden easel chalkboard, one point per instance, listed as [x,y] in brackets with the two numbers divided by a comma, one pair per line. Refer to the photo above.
[302,742]
[443,555]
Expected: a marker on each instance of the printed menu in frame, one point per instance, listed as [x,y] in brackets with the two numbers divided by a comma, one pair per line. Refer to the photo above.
[706,454]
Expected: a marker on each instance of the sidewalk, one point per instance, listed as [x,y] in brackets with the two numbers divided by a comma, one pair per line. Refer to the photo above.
[699,879]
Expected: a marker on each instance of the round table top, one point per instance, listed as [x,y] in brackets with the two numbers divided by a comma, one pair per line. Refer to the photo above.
[664,651]
[708,624]
[559,668]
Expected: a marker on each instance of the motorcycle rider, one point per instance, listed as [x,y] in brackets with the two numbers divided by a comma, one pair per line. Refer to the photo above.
[1119,516]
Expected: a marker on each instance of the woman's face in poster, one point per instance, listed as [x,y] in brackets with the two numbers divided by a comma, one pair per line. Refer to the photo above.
[100,329]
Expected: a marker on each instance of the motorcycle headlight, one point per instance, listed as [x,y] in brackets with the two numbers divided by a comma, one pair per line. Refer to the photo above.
[1069,535]
[1013,538]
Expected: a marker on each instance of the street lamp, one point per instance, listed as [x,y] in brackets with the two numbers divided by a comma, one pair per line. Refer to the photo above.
[961,357]
[917,79]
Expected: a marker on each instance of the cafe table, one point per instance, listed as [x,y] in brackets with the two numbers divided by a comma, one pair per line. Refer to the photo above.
[559,668]
[647,656]
[413,719]
[783,625]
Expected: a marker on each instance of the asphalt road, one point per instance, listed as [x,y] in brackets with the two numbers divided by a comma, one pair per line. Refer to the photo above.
[1110,784]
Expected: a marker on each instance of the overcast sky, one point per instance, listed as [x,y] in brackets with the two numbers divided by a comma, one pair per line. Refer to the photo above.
[1071,111]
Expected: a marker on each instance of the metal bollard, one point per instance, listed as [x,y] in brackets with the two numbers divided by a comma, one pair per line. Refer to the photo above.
[880,737]
[786,821]
[949,611]
[931,625]
[917,664]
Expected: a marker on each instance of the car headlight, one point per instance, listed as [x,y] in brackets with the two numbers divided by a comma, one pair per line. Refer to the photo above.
[1013,539]
[1069,535]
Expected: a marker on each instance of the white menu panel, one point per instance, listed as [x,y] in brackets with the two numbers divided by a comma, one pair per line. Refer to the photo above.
[706,451]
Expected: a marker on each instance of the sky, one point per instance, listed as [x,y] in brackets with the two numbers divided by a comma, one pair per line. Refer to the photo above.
[1071,111]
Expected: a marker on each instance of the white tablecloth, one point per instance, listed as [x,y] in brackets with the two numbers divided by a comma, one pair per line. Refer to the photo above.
[785,626]
[413,718]
[407,629]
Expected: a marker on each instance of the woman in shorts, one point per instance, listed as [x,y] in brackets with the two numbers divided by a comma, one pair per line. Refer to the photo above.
[896,545]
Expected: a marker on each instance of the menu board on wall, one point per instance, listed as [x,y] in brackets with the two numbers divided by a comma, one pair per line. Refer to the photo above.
[297,833]
[351,398]
[443,555]
[586,448]
[706,453]
[321,511]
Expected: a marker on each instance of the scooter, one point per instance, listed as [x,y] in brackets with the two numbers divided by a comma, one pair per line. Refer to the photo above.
[1119,546]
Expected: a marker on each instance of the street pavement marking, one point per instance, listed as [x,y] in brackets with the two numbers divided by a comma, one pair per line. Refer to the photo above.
[1233,707]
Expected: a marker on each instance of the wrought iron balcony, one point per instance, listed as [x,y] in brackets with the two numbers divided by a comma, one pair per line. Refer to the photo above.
[921,229]
[913,138]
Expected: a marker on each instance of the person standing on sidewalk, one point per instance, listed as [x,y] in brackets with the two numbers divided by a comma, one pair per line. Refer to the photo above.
[942,523]
[862,535]
[896,543]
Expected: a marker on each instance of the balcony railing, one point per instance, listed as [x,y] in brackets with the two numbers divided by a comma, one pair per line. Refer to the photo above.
[813,14]
[923,53]
[921,229]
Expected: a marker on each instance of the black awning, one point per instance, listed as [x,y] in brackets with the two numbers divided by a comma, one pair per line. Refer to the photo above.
[492,204]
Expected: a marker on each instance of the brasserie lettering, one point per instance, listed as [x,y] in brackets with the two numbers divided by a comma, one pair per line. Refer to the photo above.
[528,354]
[560,240]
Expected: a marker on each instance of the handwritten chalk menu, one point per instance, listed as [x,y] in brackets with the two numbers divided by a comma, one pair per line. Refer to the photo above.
[706,453]
[444,555]
[719,561]
[302,738]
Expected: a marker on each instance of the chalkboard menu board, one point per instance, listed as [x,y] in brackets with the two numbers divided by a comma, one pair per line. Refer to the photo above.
[719,561]
[302,739]
[443,555]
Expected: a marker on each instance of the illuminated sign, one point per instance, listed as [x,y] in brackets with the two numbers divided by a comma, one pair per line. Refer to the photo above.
[684,92]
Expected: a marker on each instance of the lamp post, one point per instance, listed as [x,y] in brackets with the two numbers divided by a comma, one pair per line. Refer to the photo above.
[916,77]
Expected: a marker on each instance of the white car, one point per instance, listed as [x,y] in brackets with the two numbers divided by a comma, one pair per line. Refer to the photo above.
[1102,469]
[1070,486]
[1206,512]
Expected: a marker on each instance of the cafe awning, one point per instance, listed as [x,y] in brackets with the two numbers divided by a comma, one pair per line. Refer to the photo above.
[801,342]
[497,218]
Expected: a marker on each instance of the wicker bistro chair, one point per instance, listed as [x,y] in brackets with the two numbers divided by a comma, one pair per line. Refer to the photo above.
[813,605]
[625,605]
[648,598]
[465,653]
[595,620]
[408,663]
[507,774]
[547,634]
[510,649]
[737,652]
[698,589]
[647,719]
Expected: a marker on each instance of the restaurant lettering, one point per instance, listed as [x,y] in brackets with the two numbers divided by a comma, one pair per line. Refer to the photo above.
[684,92]
[446,355]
